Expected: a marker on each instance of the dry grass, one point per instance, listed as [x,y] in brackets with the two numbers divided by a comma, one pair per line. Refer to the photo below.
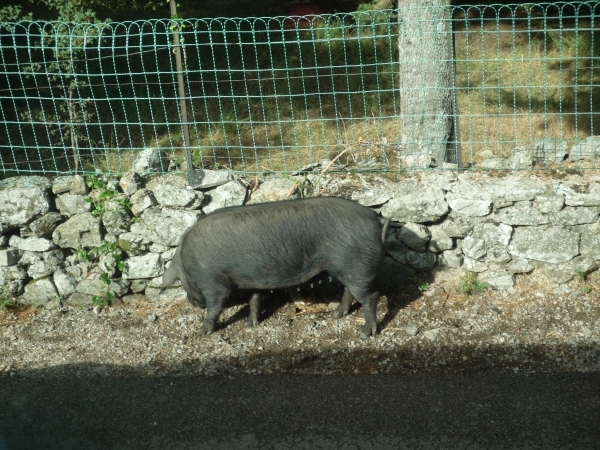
[515,85]
[518,88]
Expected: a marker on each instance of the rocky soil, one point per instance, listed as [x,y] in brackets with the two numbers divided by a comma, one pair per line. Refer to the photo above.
[426,326]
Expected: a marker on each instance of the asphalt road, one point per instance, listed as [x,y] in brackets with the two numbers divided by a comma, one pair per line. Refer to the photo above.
[477,411]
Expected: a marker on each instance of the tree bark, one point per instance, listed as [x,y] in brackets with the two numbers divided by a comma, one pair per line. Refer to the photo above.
[426,79]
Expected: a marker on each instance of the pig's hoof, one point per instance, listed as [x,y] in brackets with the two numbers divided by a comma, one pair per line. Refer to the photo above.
[367,331]
[205,330]
[339,312]
[249,323]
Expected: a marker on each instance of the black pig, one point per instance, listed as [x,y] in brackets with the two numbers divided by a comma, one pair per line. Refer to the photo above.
[278,245]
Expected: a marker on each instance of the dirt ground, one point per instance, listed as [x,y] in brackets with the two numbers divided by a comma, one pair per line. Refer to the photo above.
[426,325]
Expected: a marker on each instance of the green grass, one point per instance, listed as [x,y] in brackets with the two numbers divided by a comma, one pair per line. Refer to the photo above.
[470,283]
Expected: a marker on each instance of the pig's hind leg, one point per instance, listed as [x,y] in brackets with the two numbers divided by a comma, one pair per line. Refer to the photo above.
[344,306]
[366,296]
[215,300]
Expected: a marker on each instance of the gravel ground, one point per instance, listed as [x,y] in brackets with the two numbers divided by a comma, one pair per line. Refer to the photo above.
[541,327]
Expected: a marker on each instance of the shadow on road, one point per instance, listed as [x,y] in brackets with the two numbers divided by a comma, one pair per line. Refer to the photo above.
[62,411]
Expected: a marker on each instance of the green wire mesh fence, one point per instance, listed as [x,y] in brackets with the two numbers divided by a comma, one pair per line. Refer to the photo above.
[278,94]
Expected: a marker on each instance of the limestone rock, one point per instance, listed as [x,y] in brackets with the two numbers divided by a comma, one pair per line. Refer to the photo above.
[173,196]
[590,240]
[23,199]
[69,204]
[414,236]
[9,257]
[420,260]
[138,286]
[550,151]
[93,286]
[230,194]
[519,266]
[80,231]
[474,248]
[406,206]
[498,279]
[79,299]
[73,184]
[41,292]
[549,204]
[457,226]
[150,160]
[32,244]
[119,287]
[130,182]
[581,194]
[50,263]
[274,189]
[450,258]
[522,213]
[65,282]
[472,265]
[439,241]
[45,225]
[546,244]
[171,294]
[470,207]
[117,216]
[565,272]
[12,279]
[208,179]
[588,150]
[576,216]
[133,244]
[165,226]
[146,266]
[142,200]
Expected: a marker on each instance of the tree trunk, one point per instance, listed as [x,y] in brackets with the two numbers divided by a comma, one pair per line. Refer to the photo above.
[426,79]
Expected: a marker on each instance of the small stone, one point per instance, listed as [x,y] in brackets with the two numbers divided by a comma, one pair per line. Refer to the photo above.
[587,333]
[432,335]
[411,330]
[96,310]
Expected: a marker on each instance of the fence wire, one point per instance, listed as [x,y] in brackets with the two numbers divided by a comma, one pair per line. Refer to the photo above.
[278,94]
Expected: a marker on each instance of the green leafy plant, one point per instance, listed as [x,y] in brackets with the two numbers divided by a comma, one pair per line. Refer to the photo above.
[106,195]
[470,283]
[6,300]
[581,275]
[424,287]
[586,289]
[116,263]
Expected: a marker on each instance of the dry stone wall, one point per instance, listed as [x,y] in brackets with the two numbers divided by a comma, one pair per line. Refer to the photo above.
[63,240]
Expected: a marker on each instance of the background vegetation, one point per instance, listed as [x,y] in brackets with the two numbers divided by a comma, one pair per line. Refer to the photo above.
[268,96]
